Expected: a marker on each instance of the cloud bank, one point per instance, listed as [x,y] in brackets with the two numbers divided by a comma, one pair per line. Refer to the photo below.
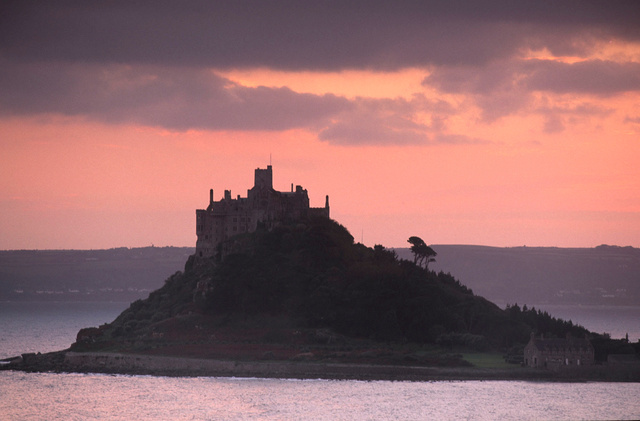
[298,35]
[158,63]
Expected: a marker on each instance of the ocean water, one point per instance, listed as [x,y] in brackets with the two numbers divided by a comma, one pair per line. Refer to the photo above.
[617,321]
[69,396]
[49,326]
[91,397]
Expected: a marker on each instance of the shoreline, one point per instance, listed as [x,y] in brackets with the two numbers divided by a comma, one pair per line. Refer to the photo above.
[175,366]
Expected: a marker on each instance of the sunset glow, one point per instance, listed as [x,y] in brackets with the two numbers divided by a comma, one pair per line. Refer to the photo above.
[459,127]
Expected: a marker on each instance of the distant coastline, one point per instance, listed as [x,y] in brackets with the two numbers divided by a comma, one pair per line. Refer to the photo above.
[603,275]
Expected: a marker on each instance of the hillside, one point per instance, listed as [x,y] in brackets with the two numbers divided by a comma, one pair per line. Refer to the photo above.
[604,275]
[308,290]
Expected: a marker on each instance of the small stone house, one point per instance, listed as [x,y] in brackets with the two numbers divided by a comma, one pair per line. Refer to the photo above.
[554,353]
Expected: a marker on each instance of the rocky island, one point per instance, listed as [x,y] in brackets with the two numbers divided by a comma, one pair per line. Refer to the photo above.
[278,289]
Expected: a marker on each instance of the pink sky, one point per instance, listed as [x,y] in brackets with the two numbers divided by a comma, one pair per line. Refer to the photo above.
[489,126]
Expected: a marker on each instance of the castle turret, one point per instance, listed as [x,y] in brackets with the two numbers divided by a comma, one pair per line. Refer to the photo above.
[210,207]
[264,178]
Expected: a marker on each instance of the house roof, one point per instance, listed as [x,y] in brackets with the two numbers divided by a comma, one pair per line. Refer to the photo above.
[564,343]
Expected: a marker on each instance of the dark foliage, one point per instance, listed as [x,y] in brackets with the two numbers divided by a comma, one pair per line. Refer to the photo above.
[605,346]
[313,274]
[542,322]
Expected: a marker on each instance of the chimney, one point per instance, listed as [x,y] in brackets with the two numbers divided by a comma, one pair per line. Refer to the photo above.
[211,197]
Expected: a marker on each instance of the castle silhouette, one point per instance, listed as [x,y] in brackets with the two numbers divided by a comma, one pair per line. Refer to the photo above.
[263,206]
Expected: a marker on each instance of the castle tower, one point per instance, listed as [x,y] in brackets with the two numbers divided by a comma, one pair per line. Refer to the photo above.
[264,178]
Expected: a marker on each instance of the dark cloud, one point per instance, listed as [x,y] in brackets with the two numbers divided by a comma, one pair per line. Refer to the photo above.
[458,139]
[315,35]
[176,99]
[154,62]
[376,122]
[186,98]
[556,118]
[553,124]
[376,132]
[496,88]
[506,87]
[595,77]
[394,122]
[582,110]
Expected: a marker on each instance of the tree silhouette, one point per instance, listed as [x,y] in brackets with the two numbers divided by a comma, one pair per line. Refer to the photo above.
[422,253]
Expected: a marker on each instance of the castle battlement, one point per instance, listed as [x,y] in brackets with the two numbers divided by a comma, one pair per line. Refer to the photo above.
[263,205]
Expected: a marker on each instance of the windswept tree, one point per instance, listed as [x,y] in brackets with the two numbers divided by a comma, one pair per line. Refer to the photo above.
[422,253]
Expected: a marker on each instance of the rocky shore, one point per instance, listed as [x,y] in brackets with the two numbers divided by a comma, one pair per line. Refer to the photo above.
[121,363]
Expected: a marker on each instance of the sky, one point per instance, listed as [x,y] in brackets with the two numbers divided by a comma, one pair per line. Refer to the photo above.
[495,123]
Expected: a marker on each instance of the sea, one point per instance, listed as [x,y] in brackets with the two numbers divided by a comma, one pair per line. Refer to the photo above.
[50,326]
